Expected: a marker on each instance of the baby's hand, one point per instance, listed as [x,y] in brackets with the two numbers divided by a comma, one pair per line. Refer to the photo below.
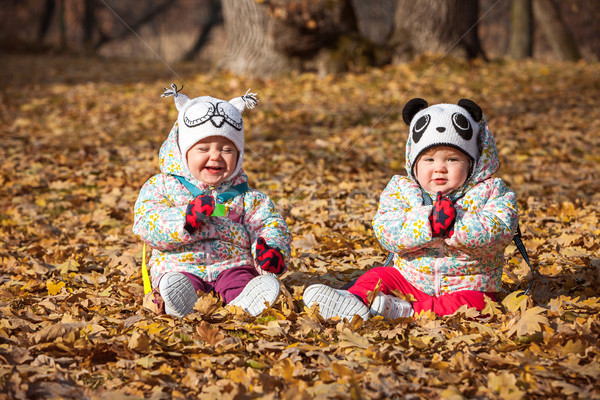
[442,217]
[269,258]
[198,211]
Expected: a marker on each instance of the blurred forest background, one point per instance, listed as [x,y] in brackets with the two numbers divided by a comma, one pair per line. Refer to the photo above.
[82,123]
[272,36]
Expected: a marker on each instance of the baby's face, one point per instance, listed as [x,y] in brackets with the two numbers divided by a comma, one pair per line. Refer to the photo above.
[442,169]
[212,160]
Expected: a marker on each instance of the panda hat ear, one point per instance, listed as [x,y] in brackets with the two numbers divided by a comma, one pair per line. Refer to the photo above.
[412,108]
[472,108]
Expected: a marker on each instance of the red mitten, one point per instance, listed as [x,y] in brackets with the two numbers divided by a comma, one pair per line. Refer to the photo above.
[198,211]
[442,217]
[269,258]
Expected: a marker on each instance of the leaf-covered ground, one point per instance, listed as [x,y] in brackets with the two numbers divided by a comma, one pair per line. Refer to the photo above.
[81,136]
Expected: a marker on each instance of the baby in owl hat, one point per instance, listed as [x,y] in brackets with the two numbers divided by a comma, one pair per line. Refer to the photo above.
[208,230]
[446,223]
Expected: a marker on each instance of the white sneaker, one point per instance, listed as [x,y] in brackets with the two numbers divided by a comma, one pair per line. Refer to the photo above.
[391,307]
[178,294]
[335,302]
[260,290]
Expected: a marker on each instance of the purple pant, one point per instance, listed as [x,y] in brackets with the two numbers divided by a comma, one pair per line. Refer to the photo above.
[229,284]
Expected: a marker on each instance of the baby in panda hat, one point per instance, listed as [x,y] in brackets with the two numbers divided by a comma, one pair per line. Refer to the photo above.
[208,230]
[446,223]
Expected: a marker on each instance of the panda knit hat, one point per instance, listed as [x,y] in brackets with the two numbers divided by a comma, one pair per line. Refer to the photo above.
[206,116]
[452,125]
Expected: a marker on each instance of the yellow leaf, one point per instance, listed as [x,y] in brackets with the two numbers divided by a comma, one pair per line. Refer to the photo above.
[567,239]
[154,328]
[53,332]
[491,307]
[273,329]
[285,369]
[515,301]
[505,385]
[482,328]
[572,347]
[306,242]
[238,375]
[147,362]
[139,341]
[209,335]
[451,393]
[529,322]
[54,288]
[351,339]
[68,266]
[574,251]
[467,339]
[372,294]
[340,369]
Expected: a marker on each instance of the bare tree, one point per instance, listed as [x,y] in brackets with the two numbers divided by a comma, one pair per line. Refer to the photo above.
[88,24]
[273,36]
[215,17]
[521,30]
[46,19]
[437,26]
[133,26]
[547,15]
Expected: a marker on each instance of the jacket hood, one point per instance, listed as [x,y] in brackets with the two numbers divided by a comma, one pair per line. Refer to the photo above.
[486,165]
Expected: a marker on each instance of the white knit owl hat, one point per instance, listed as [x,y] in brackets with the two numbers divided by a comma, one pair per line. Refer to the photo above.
[442,125]
[206,116]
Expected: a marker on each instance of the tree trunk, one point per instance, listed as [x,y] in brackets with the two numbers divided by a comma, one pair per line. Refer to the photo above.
[436,26]
[250,40]
[547,15]
[273,36]
[521,30]
[46,19]
[62,25]
[132,27]
[88,23]
[215,18]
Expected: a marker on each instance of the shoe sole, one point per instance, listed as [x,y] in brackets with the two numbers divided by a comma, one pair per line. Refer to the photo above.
[332,303]
[178,294]
[260,290]
[392,310]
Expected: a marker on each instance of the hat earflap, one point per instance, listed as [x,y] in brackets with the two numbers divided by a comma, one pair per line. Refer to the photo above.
[248,100]
[412,108]
[180,98]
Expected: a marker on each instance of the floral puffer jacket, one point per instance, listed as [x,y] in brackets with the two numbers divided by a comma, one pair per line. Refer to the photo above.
[219,244]
[472,259]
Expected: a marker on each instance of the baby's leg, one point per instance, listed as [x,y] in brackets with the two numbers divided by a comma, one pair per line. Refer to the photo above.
[391,279]
[447,304]
[245,288]
[199,283]
[231,282]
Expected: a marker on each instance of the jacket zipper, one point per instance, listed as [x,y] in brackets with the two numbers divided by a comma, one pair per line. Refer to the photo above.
[436,271]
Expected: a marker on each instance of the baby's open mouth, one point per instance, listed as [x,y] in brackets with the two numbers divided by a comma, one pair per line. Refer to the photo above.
[213,169]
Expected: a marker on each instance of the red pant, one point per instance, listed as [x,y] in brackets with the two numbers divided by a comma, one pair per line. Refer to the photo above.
[392,279]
